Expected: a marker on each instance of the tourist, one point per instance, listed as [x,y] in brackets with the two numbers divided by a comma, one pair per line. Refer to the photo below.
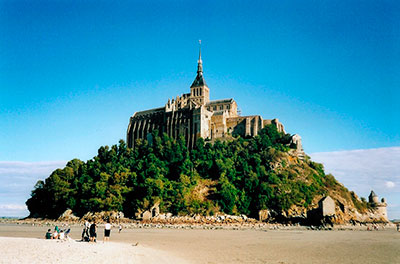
[107,231]
[48,234]
[61,236]
[55,234]
[92,232]
[119,228]
[398,227]
[85,231]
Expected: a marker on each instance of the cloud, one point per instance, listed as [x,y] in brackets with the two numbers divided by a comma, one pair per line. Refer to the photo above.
[13,210]
[27,169]
[390,184]
[365,170]
[13,206]
[17,180]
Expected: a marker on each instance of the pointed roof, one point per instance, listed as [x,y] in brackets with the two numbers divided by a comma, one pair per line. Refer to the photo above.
[199,80]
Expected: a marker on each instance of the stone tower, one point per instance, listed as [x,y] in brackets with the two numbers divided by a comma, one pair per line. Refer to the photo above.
[199,91]
[379,207]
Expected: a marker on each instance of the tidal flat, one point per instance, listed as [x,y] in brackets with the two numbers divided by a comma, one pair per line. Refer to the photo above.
[207,246]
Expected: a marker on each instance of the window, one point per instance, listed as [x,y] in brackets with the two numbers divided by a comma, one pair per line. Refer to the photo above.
[221,107]
[215,107]
[228,106]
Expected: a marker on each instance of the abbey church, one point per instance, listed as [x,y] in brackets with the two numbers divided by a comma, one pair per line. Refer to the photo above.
[193,115]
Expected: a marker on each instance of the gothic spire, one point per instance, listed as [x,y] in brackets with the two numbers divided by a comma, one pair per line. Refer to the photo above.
[199,81]
[200,62]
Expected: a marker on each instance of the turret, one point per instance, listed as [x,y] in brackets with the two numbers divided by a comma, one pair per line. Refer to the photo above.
[373,198]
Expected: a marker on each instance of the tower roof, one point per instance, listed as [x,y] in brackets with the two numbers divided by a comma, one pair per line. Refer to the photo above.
[199,80]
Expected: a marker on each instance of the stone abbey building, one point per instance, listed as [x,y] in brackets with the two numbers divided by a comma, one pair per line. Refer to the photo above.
[193,115]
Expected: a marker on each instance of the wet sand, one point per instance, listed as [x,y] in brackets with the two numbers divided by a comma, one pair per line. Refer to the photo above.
[247,246]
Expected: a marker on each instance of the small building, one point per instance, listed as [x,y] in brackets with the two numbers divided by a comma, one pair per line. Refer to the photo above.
[380,208]
[327,206]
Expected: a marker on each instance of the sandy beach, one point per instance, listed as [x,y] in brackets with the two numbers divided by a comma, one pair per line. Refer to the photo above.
[202,246]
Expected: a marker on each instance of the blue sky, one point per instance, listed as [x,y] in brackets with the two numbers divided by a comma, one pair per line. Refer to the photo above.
[72,73]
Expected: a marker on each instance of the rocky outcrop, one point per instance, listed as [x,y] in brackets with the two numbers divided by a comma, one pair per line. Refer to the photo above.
[113,216]
[68,216]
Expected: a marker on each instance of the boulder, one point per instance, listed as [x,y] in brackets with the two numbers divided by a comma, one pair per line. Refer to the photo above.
[68,216]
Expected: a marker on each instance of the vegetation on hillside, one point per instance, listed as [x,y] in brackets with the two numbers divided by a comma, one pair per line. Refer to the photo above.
[240,176]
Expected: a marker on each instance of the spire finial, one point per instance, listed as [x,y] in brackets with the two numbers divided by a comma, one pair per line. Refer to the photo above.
[199,62]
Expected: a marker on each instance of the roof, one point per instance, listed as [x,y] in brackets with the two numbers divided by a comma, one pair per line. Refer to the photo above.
[150,111]
[230,100]
[199,81]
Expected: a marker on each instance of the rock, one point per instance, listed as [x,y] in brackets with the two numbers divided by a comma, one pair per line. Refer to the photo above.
[68,216]
[263,215]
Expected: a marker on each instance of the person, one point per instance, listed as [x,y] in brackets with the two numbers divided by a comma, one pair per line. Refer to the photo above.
[92,232]
[55,234]
[85,231]
[107,231]
[61,236]
[67,232]
[398,227]
[119,228]
[48,234]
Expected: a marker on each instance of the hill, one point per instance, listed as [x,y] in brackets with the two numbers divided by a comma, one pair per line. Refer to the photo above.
[236,176]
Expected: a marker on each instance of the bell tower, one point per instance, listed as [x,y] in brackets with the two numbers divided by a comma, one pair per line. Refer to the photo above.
[199,90]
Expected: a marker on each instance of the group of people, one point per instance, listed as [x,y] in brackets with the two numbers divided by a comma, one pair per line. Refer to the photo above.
[89,232]
[57,233]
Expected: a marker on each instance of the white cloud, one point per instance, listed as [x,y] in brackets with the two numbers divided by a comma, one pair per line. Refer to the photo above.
[13,206]
[17,180]
[390,184]
[13,210]
[19,168]
[365,170]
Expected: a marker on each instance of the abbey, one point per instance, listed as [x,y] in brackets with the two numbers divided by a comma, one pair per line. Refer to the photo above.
[193,115]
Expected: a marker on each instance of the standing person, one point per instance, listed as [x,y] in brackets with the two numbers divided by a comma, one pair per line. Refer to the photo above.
[119,228]
[398,227]
[92,232]
[85,231]
[107,231]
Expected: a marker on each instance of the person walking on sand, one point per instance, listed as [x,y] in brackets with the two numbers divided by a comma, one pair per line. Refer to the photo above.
[92,232]
[107,231]
[85,231]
